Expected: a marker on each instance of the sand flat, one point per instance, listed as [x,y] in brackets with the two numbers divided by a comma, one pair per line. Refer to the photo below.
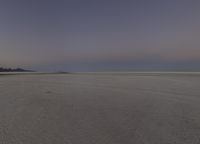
[99,108]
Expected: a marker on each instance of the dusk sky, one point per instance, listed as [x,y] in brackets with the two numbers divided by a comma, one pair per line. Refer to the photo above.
[100,35]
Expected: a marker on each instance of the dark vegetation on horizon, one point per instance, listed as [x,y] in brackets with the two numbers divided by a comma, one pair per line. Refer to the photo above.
[13,70]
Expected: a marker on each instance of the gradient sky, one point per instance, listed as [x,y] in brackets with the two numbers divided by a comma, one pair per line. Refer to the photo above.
[100,35]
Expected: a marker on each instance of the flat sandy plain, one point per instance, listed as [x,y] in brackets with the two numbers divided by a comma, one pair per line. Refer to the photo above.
[100,108]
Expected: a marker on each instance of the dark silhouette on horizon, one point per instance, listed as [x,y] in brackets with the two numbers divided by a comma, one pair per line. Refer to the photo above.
[13,70]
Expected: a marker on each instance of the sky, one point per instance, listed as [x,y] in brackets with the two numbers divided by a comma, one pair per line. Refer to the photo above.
[100,35]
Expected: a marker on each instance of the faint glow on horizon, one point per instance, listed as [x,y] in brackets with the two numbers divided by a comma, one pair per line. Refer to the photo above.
[120,32]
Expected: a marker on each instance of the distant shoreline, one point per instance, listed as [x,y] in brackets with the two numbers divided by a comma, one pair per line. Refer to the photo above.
[106,73]
[14,70]
[31,73]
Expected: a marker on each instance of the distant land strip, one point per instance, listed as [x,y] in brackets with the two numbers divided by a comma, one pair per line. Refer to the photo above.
[14,70]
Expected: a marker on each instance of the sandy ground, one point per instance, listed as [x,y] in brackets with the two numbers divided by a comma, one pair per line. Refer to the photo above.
[100,109]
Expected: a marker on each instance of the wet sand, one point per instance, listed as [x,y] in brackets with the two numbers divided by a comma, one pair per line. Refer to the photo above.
[100,109]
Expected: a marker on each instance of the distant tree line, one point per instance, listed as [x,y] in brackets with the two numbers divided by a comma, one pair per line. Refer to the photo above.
[13,70]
